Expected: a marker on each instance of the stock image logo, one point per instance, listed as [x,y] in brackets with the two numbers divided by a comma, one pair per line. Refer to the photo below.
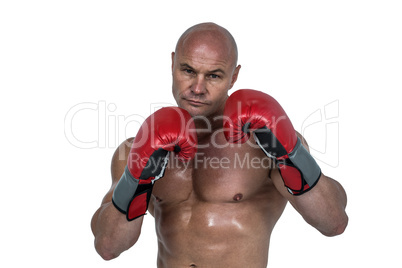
[321,129]
[91,125]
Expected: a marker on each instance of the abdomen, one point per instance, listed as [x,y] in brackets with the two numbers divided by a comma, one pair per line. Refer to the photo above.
[214,234]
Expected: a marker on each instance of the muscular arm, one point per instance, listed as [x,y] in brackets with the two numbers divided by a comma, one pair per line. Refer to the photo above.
[323,207]
[321,202]
[113,233]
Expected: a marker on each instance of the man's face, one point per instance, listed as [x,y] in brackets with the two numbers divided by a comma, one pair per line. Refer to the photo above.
[202,77]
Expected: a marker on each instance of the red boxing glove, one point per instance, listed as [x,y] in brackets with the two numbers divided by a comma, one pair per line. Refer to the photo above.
[248,111]
[169,129]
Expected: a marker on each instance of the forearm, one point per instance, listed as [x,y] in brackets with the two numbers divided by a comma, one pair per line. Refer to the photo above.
[324,206]
[113,233]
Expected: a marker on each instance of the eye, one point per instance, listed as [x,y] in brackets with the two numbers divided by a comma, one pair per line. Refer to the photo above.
[214,76]
[188,71]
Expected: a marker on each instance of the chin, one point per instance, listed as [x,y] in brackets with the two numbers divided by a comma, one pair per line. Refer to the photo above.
[194,111]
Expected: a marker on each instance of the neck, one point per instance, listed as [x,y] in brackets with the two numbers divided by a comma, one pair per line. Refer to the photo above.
[209,124]
[206,126]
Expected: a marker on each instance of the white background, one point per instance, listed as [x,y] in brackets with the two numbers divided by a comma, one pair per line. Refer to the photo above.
[113,59]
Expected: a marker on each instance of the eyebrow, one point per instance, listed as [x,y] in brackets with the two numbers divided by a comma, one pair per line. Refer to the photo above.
[185,65]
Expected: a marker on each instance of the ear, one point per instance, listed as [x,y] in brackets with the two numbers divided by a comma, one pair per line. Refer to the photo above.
[173,55]
[235,75]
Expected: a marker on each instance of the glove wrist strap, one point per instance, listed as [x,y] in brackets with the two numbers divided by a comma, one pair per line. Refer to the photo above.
[130,197]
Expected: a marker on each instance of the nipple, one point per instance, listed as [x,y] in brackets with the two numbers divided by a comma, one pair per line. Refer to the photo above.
[238,197]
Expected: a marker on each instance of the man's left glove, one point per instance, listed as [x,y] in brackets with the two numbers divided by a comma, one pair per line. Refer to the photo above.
[253,111]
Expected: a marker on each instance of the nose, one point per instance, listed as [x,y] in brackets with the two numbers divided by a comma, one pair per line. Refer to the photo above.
[199,87]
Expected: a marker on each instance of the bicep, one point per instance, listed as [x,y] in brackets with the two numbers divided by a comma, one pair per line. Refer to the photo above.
[113,233]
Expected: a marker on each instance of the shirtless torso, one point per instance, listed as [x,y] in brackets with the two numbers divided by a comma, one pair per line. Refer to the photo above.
[218,210]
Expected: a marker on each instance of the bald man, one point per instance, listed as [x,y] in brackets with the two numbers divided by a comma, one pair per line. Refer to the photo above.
[219,208]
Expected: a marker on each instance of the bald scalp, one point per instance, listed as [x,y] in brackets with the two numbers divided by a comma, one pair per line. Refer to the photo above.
[210,33]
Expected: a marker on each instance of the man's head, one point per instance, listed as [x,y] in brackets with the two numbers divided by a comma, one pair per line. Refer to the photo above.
[204,68]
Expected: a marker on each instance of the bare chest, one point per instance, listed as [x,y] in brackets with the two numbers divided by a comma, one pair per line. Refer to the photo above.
[224,173]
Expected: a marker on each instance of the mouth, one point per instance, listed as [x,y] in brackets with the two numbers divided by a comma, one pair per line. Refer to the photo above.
[195,102]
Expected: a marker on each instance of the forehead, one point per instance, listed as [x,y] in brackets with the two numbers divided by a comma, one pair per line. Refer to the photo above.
[203,57]
[210,48]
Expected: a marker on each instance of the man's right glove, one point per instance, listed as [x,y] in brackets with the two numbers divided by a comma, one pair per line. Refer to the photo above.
[169,129]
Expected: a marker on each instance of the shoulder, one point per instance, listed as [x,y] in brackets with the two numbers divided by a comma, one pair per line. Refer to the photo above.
[303,141]
[119,159]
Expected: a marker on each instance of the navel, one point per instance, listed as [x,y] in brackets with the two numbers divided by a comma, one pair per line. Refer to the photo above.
[238,197]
